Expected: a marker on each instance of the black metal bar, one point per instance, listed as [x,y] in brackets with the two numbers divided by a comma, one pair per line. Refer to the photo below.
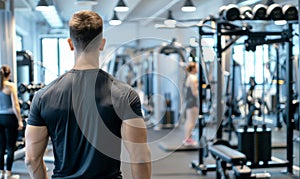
[58,57]
[202,32]
[198,166]
[230,43]
[278,123]
[270,164]
[249,33]
[231,108]
[289,99]
[200,97]
[272,41]
[219,42]
[219,76]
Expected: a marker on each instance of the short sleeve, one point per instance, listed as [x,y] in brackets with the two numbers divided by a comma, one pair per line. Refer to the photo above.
[126,103]
[135,103]
[35,118]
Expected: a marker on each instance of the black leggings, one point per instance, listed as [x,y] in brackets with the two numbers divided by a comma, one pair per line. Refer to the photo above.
[8,138]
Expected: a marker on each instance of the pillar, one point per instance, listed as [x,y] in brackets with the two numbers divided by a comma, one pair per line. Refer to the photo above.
[7,36]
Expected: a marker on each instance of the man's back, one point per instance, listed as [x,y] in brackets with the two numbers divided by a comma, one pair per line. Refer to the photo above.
[90,107]
[83,111]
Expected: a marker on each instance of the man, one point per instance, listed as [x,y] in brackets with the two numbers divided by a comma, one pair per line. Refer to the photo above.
[87,113]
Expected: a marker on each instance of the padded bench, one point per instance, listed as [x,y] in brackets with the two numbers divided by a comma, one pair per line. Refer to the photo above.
[237,159]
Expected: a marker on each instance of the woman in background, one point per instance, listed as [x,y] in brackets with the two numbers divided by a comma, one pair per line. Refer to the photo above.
[10,121]
[192,104]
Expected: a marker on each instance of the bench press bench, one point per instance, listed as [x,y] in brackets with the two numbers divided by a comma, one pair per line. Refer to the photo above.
[225,155]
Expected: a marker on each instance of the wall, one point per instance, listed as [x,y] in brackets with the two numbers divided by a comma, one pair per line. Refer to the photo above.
[25,26]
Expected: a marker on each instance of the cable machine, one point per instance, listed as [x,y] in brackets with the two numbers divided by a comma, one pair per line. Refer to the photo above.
[223,29]
[168,84]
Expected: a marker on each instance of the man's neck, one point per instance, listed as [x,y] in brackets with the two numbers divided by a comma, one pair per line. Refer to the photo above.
[86,61]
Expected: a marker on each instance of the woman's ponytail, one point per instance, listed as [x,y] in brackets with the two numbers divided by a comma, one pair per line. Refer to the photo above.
[1,78]
[4,73]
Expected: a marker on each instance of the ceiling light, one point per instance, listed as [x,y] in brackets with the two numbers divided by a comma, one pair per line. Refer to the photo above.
[52,17]
[188,6]
[86,2]
[42,5]
[121,7]
[50,14]
[170,21]
[115,20]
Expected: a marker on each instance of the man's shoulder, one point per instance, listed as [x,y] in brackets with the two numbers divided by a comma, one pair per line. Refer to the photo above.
[52,85]
[122,86]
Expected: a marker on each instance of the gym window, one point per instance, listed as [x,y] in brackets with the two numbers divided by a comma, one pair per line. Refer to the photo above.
[19,42]
[252,63]
[57,58]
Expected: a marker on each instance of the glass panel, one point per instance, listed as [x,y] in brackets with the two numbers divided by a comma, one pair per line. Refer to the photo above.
[19,42]
[252,62]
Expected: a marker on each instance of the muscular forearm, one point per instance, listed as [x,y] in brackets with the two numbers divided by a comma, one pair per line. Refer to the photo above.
[141,170]
[141,162]
[37,169]
[135,139]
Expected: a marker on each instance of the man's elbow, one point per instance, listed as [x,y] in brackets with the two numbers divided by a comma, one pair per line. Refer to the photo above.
[32,162]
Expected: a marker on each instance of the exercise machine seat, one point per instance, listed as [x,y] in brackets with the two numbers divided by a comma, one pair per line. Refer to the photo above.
[228,154]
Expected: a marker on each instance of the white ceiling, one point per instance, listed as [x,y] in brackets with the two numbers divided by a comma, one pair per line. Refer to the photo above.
[147,10]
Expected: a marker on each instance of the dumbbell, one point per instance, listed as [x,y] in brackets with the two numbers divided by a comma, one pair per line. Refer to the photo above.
[246,13]
[290,12]
[230,12]
[25,105]
[259,12]
[274,12]
[22,88]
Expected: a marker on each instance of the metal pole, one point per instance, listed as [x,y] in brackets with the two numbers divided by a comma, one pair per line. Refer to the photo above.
[278,123]
[299,60]
[219,112]
[289,115]
[232,100]
[200,113]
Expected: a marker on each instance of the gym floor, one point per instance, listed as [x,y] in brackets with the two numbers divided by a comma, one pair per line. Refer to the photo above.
[176,165]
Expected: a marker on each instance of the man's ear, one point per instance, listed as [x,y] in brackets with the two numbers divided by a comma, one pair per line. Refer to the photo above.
[103,41]
[70,44]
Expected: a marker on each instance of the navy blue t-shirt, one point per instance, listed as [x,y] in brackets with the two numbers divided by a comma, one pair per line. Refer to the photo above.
[83,111]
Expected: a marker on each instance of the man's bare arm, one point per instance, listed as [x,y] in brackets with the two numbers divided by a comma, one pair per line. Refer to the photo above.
[134,136]
[36,140]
